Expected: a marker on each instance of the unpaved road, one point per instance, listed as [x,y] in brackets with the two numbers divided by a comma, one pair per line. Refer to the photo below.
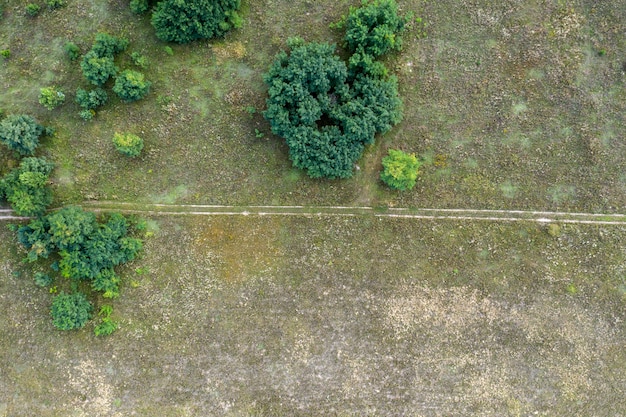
[311,211]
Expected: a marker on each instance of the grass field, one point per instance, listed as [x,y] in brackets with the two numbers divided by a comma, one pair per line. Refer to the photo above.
[511,105]
[261,316]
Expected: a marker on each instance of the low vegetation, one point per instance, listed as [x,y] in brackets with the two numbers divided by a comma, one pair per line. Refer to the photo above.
[400,170]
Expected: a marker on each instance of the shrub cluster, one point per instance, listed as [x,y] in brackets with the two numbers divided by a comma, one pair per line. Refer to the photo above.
[98,64]
[88,250]
[327,110]
[90,101]
[183,21]
[70,311]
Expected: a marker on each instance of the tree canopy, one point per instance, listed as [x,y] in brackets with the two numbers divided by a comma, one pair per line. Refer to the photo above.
[20,133]
[327,110]
[25,187]
[183,21]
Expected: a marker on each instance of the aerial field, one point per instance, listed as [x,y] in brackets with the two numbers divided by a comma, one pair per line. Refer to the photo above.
[509,105]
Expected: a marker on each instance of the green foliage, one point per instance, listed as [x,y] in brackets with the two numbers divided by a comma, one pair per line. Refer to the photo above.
[91,100]
[96,69]
[131,85]
[326,113]
[55,4]
[88,250]
[139,6]
[107,325]
[139,60]
[32,9]
[374,27]
[106,45]
[400,170]
[25,187]
[20,133]
[5,53]
[51,98]
[128,144]
[183,21]
[43,280]
[70,311]
[87,114]
[72,50]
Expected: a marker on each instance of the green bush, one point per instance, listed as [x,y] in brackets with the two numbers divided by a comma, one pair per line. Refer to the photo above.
[32,9]
[106,45]
[87,114]
[51,98]
[70,311]
[91,100]
[139,60]
[139,6]
[131,86]
[183,21]
[107,325]
[374,28]
[5,53]
[128,144]
[43,280]
[325,114]
[400,170]
[25,187]
[55,4]
[98,69]
[20,133]
[72,51]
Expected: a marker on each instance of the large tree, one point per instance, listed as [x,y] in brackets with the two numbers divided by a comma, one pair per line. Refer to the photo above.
[183,21]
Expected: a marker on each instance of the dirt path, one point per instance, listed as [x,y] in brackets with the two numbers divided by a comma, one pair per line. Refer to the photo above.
[307,211]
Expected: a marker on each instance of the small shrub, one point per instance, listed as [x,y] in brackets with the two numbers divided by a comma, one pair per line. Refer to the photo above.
[400,170]
[105,328]
[32,9]
[55,4]
[131,86]
[87,114]
[96,69]
[20,133]
[5,53]
[128,144]
[139,6]
[72,51]
[70,311]
[43,280]
[168,50]
[51,98]
[139,60]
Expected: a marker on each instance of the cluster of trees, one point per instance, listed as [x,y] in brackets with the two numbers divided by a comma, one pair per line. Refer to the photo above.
[329,110]
[184,21]
[25,188]
[98,66]
[83,250]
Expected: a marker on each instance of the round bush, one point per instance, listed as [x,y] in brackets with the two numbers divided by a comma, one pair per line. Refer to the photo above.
[70,311]
[51,98]
[20,133]
[98,69]
[131,85]
[400,170]
[128,144]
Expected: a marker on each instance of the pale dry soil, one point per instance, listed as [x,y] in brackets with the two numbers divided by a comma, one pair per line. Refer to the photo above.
[249,316]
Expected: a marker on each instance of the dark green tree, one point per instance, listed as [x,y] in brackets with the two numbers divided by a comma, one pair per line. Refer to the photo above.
[374,28]
[25,187]
[326,111]
[20,133]
[107,45]
[70,311]
[183,21]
